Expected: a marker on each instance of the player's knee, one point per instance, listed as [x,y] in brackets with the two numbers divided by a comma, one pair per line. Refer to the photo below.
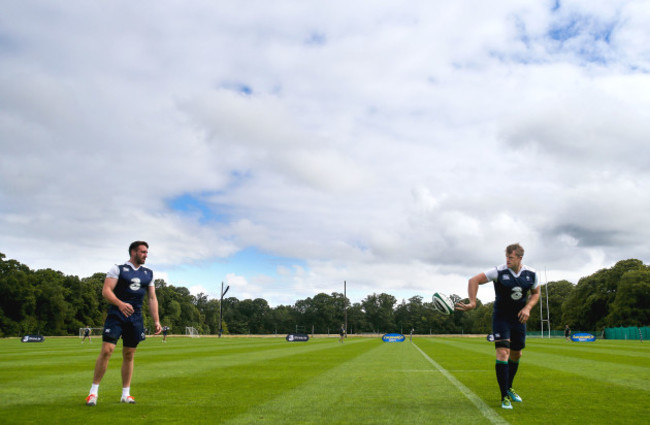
[128,353]
[107,350]
[502,350]
[515,355]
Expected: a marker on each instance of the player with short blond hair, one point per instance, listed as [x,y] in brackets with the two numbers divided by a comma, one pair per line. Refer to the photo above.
[512,282]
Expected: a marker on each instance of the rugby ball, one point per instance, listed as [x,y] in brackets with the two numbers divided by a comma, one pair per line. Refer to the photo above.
[443,303]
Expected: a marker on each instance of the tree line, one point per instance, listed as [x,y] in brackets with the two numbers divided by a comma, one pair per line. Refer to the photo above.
[48,302]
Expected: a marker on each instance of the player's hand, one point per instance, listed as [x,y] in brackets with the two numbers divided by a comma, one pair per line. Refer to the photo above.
[524,314]
[461,306]
[157,328]
[126,309]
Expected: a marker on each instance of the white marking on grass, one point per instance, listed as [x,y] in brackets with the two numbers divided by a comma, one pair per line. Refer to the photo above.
[485,410]
[450,370]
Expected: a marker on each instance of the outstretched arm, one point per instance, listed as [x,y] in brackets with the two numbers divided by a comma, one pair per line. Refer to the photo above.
[472,290]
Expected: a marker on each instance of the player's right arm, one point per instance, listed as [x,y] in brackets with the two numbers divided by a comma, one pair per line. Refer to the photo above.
[109,294]
[472,290]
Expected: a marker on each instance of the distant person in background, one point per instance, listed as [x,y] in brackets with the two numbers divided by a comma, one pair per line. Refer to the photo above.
[567,333]
[124,288]
[86,335]
[512,282]
[165,329]
[341,333]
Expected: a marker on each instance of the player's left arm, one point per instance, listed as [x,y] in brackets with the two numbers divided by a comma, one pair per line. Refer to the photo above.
[153,308]
[524,314]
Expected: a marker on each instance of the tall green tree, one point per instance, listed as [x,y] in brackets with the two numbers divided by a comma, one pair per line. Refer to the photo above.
[84,295]
[631,307]
[379,312]
[233,315]
[588,304]
[52,311]
[280,320]
[357,322]
[17,299]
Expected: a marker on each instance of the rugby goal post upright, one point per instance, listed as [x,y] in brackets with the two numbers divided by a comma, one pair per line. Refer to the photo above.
[191,332]
[541,310]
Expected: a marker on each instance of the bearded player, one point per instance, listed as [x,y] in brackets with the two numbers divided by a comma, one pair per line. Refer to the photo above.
[512,282]
[124,288]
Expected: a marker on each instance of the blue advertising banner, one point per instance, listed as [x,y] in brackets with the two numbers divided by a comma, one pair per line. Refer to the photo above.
[33,338]
[393,338]
[583,337]
[297,337]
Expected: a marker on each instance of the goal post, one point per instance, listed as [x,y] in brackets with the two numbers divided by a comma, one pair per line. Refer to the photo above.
[93,332]
[191,332]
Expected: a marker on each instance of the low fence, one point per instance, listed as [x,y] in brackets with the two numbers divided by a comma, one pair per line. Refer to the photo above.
[631,332]
[642,333]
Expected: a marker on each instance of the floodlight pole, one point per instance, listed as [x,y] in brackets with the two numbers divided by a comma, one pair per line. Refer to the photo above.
[345,307]
[221,309]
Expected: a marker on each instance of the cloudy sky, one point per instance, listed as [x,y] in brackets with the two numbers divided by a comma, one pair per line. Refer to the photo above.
[285,147]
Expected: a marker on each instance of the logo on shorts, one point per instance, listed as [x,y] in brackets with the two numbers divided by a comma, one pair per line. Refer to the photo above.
[107,330]
[135,284]
[517,293]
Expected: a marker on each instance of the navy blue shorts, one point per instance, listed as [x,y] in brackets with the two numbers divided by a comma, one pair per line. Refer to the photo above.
[131,329]
[509,329]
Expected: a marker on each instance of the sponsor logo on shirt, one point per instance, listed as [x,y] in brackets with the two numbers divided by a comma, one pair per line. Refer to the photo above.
[135,284]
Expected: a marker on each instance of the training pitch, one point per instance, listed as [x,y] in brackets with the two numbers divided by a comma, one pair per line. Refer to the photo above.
[322,381]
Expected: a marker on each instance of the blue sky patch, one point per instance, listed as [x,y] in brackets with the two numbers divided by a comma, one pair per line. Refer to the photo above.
[197,205]
[565,31]
[316,39]
[248,263]
[239,87]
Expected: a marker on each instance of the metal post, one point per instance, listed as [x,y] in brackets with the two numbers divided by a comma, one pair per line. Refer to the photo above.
[221,309]
[541,309]
[345,307]
[548,312]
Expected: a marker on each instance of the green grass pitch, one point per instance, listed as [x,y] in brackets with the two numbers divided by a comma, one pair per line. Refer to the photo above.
[362,381]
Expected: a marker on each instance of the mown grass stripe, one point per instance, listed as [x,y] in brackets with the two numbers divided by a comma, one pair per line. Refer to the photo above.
[376,387]
[363,381]
[485,410]
[152,363]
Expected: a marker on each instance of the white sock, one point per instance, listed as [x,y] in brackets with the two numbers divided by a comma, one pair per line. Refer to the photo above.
[94,388]
[126,391]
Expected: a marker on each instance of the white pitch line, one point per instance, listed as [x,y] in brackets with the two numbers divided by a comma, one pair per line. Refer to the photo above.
[490,414]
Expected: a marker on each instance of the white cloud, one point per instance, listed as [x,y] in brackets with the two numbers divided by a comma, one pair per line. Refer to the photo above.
[400,146]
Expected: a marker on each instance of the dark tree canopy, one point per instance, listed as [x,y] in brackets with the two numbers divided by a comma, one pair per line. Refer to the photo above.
[49,302]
